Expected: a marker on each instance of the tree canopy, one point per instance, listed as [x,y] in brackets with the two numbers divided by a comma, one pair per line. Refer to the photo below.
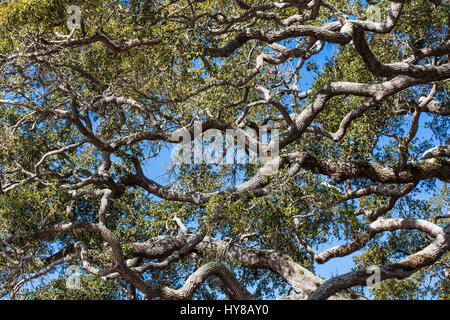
[353,97]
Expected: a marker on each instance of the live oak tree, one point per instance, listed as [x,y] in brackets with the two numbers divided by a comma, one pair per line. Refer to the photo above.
[358,92]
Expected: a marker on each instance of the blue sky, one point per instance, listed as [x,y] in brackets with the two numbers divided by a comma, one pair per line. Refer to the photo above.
[155,169]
